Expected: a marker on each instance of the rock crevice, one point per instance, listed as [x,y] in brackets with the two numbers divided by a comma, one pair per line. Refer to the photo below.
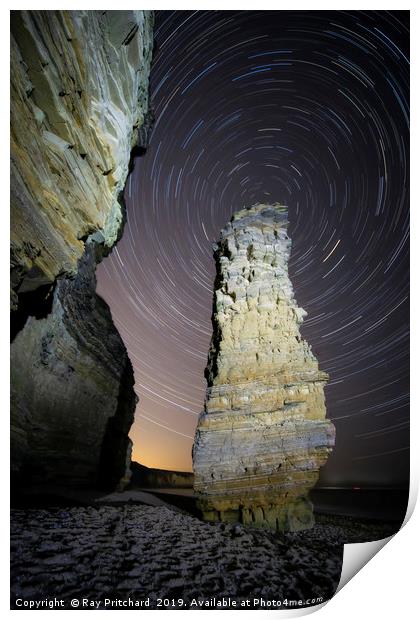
[262,436]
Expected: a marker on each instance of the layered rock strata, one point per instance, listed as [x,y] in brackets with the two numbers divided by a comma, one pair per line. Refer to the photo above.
[262,436]
[79,100]
[72,383]
[79,108]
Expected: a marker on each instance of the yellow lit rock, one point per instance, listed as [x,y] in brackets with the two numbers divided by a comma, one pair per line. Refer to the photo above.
[263,435]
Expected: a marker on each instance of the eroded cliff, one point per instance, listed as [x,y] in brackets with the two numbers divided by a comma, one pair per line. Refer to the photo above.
[79,95]
[72,389]
[79,106]
[262,436]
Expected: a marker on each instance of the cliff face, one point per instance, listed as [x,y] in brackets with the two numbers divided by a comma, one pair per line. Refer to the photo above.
[72,389]
[79,93]
[262,436]
[149,477]
[79,106]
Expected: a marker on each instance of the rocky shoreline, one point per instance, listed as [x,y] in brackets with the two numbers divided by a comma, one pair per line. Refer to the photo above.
[148,554]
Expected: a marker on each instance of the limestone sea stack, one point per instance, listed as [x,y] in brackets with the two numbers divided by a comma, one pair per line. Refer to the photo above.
[262,436]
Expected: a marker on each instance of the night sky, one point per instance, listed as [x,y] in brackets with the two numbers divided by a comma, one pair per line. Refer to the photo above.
[305,108]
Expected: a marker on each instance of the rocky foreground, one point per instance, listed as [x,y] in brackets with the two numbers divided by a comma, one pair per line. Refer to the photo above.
[148,554]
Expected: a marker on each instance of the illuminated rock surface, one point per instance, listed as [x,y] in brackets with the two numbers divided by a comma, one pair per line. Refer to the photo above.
[79,105]
[263,435]
[79,95]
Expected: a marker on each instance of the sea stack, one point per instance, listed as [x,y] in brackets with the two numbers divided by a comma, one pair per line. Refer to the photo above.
[263,435]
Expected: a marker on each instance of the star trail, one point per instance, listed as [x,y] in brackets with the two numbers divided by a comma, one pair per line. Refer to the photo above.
[305,108]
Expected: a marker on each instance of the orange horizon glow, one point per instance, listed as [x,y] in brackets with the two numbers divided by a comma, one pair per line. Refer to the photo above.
[172,455]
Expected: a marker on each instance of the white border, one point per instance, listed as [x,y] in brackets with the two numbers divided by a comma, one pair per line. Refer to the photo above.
[387,586]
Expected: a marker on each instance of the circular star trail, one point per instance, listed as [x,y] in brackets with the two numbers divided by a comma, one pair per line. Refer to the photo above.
[305,108]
